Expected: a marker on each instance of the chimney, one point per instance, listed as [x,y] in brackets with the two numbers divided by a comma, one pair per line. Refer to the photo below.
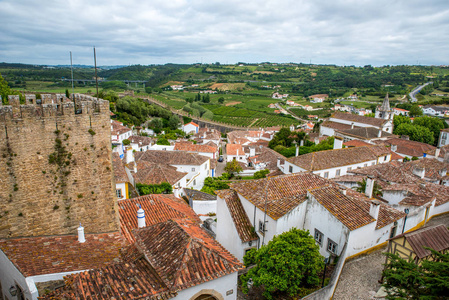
[443,172]
[446,157]
[394,148]
[352,125]
[374,208]
[129,155]
[405,137]
[140,217]
[343,190]
[252,152]
[379,134]
[278,164]
[81,238]
[301,143]
[297,150]
[369,187]
[338,142]
[317,141]
[437,152]
[420,172]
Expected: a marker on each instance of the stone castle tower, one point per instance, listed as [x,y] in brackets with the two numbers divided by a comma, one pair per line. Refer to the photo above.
[55,166]
[384,111]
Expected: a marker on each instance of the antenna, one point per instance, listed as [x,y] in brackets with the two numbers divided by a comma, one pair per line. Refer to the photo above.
[71,70]
[96,77]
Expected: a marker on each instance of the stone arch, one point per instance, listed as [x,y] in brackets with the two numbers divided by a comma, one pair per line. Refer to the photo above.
[202,295]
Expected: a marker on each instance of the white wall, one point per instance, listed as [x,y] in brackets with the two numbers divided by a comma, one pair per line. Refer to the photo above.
[121,186]
[10,276]
[204,207]
[195,178]
[221,285]
[161,147]
[318,217]
[327,131]
[294,218]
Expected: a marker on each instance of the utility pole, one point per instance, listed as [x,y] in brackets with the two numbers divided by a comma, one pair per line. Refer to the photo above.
[96,77]
[71,70]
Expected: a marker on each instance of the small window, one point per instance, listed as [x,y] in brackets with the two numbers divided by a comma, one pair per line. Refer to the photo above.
[373,163]
[331,246]
[337,173]
[119,193]
[393,230]
[365,165]
[262,227]
[290,169]
[319,237]
[193,169]
[349,169]
[385,158]
[326,174]
[194,182]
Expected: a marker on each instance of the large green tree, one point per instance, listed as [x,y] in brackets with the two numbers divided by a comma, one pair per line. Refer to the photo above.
[5,90]
[233,167]
[416,133]
[407,280]
[433,124]
[289,264]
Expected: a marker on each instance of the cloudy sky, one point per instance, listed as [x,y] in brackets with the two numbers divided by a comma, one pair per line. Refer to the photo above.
[342,32]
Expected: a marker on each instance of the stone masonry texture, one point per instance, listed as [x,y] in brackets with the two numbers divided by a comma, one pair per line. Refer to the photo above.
[55,167]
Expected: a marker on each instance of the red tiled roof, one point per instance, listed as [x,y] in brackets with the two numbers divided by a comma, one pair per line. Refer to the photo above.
[192,123]
[191,147]
[55,254]
[231,149]
[152,173]
[436,237]
[171,157]
[119,169]
[183,254]
[118,128]
[349,211]
[269,157]
[158,208]
[359,119]
[336,125]
[366,133]
[282,193]
[356,143]
[410,148]
[338,157]
[241,221]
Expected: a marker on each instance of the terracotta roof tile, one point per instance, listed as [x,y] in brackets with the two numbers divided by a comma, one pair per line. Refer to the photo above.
[436,237]
[140,140]
[154,173]
[231,149]
[240,218]
[119,169]
[356,143]
[282,193]
[269,157]
[191,147]
[410,148]
[335,125]
[338,157]
[349,211]
[158,208]
[46,255]
[365,133]
[171,157]
[359,119]
[118,128]
[183,254]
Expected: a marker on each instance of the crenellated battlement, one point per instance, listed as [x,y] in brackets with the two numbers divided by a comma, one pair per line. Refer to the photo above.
[51,105]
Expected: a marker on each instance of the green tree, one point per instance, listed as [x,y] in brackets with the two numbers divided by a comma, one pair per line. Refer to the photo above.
[5,90]
[399,119]
[361,187]
[415,111]
[407,280]
[433,124]
[163,141]
[283,137]
[67,94]
[146,189]
[233,167]
[290,264]
[261,174]
[221,100]
[213,184]
[416,133]
[173,122]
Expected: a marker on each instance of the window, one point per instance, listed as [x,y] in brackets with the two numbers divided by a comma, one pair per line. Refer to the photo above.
[331,246]
[337,173]
[385,158]
[290,169]
[205,167]
[326,174]
[119,193]
[349,169]
[373,163]
[194,181]
[262,227]
[365,165]
[193,169]
[393,230]
[319,237]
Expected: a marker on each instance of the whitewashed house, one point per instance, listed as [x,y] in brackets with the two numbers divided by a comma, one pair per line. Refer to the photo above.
[119,132]
[236,152]
[337,162]
[332,215]
[190,128]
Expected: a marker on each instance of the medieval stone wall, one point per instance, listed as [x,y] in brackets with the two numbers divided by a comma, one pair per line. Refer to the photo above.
[55,167]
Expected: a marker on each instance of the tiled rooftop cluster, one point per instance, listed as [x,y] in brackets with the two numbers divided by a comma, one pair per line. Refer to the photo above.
[191,147]
[339,157]
[359,119]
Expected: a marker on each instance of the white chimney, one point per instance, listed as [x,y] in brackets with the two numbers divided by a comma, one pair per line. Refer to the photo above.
[379,134]
[374,209]
[352,125]
[437,152]
[252,152]
[81,238]
[297,151]
[343,190]
[317,141]
[338,142]
[394,148]
[129,155]
[420,172]
[369,187]
[278,164]
[301,143]
[140,217]
[443,172]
